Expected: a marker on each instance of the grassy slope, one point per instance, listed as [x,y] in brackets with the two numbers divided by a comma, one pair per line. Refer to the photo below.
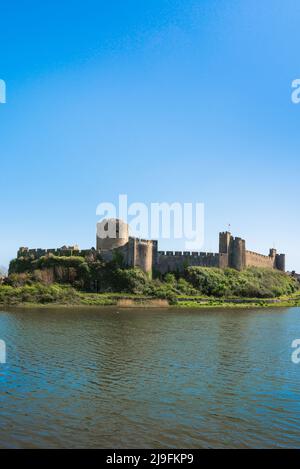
[198,286]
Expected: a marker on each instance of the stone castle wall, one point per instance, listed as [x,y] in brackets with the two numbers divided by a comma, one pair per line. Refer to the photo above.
[144,254]
[177,261]
[253,259]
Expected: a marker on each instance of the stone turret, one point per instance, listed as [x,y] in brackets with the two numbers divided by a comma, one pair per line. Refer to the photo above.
[280,262]
[224,242]
[237,255]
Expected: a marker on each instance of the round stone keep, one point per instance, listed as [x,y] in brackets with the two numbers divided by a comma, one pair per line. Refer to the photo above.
[112,233]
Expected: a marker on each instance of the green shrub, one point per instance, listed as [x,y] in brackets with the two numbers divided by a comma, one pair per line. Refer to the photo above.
[129,280]
[251,283]
[38,293]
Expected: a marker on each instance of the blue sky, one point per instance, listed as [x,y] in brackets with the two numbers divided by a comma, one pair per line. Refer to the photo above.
[185,101]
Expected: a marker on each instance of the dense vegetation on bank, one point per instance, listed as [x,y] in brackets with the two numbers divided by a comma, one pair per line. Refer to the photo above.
[75,280]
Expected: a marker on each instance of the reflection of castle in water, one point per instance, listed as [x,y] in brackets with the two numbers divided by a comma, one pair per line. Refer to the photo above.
[114,239]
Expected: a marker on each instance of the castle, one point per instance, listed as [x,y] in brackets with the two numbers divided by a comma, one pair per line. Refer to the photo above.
[144,254]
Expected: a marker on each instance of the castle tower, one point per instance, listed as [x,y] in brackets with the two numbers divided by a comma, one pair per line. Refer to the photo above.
[280,262]
[144,254]
[224,242]
[111,233]
[237,255]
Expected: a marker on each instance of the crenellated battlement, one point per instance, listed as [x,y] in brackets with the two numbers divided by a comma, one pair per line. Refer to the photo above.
[187,254]
[66,252]
[144,241]
[256,254]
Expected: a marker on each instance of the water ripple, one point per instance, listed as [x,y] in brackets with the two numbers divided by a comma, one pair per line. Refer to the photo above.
[91,378]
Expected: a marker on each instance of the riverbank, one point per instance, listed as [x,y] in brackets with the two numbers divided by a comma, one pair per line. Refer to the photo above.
[254,288]
[99,300]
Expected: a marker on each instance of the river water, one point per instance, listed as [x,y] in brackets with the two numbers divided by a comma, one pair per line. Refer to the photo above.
[104,378]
